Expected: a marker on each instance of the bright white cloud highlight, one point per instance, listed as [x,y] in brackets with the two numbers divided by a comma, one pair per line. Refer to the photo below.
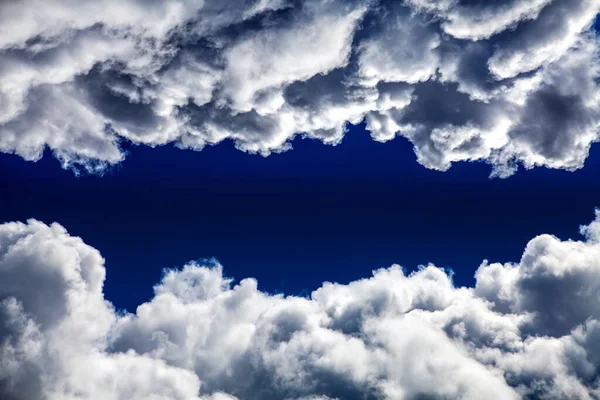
[527,329]
[508,82]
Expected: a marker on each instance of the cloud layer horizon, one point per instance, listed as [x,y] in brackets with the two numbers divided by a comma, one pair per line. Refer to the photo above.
[509,82]
[529,329]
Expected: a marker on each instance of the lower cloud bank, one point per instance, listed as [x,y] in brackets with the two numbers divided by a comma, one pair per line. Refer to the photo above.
[526,330]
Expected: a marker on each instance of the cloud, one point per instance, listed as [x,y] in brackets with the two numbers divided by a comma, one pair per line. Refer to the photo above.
[510,82]
[528,329]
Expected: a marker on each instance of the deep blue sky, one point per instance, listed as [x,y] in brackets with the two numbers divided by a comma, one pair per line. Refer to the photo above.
[296,219]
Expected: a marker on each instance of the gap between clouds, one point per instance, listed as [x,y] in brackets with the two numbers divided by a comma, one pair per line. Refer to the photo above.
[510,82]
[529,329]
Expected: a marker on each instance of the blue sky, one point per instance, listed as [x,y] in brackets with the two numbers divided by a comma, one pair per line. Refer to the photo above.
[299,199]
[293,220]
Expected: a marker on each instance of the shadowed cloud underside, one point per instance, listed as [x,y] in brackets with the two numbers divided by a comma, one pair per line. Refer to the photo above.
[507,82]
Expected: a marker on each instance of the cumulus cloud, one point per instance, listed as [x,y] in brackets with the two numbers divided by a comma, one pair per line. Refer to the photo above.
[528,329]
[510,82]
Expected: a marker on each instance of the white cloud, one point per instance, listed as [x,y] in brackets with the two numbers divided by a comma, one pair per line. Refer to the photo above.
[527,329]
[477,20]
[488,79]
[545,39]
[402,49]
[309,45]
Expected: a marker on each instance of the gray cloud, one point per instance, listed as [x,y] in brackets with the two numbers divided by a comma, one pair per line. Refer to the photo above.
[508,82]
[528,329]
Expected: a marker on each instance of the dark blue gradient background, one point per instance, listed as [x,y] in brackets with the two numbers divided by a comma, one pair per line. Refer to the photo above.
[296,219]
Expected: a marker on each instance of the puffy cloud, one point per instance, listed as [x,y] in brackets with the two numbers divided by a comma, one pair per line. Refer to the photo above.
[528,329]
[543,40]
[510,82]
[480,19]
[55,324]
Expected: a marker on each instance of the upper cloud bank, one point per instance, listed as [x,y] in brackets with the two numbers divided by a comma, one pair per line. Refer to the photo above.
[526,330]
[509,82]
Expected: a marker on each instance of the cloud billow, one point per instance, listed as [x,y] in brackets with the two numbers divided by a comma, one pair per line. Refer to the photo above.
[509,82]
[529,329]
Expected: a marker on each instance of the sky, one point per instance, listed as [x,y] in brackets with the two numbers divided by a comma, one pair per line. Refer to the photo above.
[296,219]
[299,200]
